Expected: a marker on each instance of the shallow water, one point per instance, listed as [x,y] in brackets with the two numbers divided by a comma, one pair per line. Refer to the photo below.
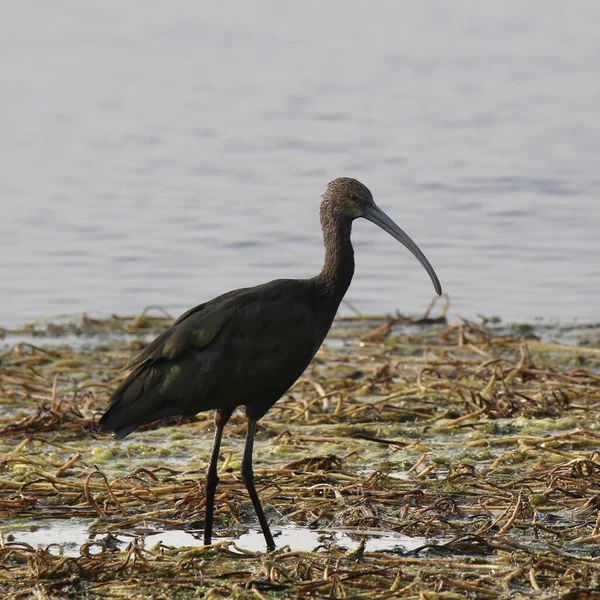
[72,534]
[162,156]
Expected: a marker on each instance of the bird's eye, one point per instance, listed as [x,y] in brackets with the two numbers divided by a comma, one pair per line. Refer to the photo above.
[354,197]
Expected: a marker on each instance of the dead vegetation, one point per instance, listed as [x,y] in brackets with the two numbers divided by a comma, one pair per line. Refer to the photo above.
[478,443]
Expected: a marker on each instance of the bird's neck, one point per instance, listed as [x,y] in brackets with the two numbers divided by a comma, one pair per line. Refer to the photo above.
[338,269]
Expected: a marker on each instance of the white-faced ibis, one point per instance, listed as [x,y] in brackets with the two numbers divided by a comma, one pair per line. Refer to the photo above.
[248,347]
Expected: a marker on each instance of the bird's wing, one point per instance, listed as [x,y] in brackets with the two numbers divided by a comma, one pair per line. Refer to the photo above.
[209,353]
[145,393]
[199,313]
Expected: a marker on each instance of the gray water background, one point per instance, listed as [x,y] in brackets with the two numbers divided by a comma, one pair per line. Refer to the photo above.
[165,152]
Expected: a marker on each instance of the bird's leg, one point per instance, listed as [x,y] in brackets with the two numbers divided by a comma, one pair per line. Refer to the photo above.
[212,479]
[248,477]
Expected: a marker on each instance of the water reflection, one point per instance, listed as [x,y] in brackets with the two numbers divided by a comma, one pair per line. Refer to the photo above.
[71,534]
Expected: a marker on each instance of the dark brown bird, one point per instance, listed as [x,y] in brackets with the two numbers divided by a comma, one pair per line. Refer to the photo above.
[247,347]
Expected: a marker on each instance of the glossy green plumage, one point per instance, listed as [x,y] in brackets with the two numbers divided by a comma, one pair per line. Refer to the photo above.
[243,348]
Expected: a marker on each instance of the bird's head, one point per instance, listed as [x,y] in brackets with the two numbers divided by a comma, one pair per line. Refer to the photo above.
[347,198]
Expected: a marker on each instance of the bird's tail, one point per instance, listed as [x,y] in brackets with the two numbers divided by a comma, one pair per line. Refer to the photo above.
[137,401]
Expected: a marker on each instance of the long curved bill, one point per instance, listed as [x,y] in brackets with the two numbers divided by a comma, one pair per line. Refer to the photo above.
[374,214]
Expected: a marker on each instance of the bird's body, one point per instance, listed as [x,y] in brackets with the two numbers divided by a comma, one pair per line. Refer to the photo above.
[248,346]
[222,354]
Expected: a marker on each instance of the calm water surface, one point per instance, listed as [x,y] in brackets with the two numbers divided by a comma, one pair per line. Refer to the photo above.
[162,153]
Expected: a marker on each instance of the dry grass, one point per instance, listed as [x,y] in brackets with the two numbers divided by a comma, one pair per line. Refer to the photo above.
[482,440]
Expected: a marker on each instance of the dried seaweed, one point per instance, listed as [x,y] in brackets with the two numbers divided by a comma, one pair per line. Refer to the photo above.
[478,442]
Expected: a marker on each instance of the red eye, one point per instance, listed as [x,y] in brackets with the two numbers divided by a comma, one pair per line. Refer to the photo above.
[353,197]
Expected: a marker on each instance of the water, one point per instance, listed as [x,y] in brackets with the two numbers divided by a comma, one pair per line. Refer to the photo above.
[165,153]
[71,534]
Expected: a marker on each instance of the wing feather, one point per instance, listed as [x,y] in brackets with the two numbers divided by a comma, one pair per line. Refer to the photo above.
[245,347]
